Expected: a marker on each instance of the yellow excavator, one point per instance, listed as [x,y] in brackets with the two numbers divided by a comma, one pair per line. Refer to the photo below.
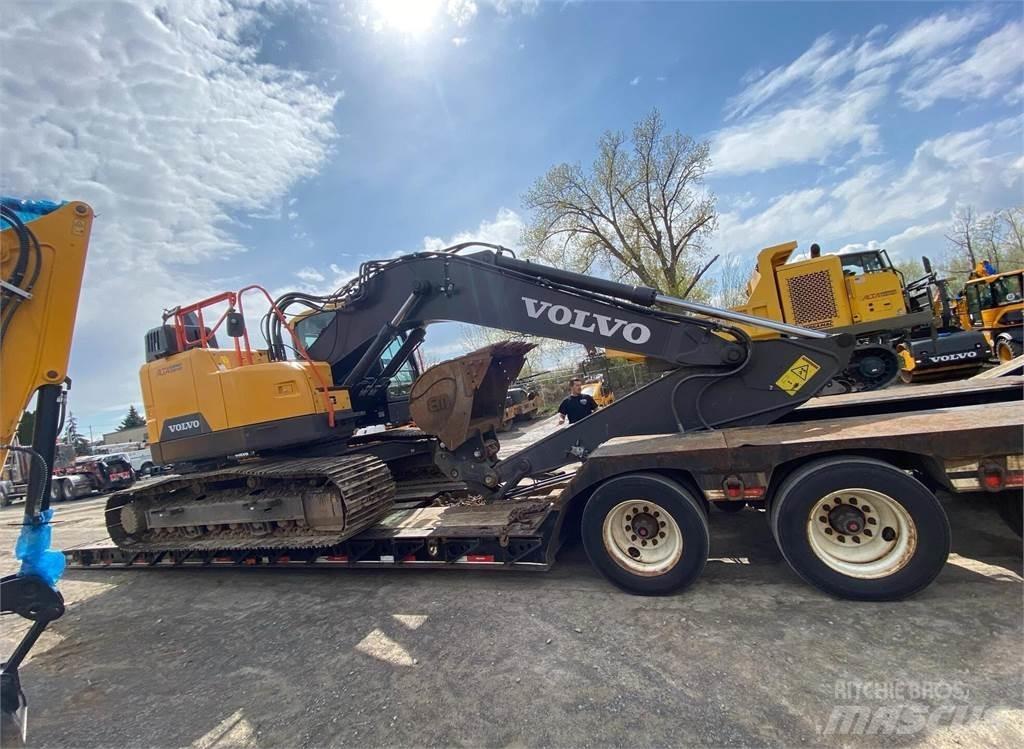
[42,258]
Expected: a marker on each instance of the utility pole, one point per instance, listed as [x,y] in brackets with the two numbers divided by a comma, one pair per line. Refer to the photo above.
[90,434]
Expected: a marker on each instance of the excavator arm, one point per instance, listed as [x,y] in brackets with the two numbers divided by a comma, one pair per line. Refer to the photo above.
[716,375]
[42,259]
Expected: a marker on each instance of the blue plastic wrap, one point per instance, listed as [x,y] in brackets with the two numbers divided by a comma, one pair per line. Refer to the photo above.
[33,549]
[29,210]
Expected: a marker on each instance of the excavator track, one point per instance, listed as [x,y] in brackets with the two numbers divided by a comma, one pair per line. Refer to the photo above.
[270,504]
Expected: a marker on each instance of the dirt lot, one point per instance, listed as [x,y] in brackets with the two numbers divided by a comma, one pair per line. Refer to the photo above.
[749,656]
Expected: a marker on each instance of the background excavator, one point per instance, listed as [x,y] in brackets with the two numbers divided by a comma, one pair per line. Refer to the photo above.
[42,258]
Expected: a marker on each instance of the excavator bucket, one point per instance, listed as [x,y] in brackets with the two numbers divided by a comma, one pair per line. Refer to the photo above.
[456,399]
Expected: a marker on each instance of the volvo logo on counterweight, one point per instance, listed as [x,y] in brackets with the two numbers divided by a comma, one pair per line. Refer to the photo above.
[589,322]
[184,426]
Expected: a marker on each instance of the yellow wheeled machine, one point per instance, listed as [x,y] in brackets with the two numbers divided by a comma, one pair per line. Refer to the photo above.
[860,293]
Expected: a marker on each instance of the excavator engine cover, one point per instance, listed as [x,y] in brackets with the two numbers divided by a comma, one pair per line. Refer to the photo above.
[458,398]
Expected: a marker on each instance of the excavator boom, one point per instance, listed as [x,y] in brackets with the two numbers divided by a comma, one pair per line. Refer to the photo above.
[42,260]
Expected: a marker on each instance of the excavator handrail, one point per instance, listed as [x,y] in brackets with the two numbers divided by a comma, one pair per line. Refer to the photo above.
[234,301]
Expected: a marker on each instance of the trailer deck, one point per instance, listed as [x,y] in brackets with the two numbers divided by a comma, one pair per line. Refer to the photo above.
[979,426]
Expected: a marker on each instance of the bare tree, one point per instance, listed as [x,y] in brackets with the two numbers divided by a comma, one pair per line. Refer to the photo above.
[641,212]
[730,288]
[962,239]
[997,237]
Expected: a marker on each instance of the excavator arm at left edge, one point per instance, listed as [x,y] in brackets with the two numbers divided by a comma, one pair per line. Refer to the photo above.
[42,260]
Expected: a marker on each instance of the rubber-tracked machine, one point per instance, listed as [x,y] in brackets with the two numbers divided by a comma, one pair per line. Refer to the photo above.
[268,442]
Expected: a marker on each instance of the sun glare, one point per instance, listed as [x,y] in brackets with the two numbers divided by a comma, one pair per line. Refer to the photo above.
[410,17]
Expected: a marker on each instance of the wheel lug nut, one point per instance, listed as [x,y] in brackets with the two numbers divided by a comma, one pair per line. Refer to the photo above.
[643,543]
[828,531]
[633,537]
[856,539]
[661,535]
[823,519]
[654,542]
[826,508]
[853,501]
[657,514]
[872,521]
[841,539]
[867,532]
[646,509]
[661,524]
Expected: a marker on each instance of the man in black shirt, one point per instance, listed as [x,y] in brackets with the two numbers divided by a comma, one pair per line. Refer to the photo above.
[576,405]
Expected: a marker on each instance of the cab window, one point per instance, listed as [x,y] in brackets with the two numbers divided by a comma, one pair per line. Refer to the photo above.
[308,329]
[402,380]
[1006,290]
[858,264]
[974,295]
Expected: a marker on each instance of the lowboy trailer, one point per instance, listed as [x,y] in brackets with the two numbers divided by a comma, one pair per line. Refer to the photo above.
[848,482]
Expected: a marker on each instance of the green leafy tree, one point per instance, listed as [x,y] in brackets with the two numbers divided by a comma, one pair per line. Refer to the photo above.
[640,213]
[26,426]
[74,438]
[133,419]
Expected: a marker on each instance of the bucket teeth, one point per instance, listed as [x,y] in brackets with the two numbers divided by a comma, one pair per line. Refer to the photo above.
[462,397]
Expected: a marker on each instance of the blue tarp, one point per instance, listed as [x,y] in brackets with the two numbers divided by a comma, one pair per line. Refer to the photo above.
[29,210]
[33,549]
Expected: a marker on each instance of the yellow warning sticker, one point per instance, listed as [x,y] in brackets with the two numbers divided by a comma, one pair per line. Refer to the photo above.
[797,375]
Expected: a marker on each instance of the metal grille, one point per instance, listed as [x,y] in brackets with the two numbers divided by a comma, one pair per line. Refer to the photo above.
[814,305]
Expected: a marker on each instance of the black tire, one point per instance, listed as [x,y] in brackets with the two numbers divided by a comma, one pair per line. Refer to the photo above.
[1011,510]
[67,490]
[146,469]
[731,507]
[686,512]
[805,487]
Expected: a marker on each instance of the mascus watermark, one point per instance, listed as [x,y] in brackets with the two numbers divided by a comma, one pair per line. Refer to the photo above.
[907,707]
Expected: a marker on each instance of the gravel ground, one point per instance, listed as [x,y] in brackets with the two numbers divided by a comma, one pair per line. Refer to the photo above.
[749,656]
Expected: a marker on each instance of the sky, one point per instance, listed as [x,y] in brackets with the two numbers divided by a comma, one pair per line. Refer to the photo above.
[228,142]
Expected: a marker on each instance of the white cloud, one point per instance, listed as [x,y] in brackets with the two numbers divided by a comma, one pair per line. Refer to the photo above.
[635,81]
[458,41]
[907,203]
[781,78]
[161,118]
[811,131]
[506,229]
[992,68]
[830,97]
[309,275]
[461,11]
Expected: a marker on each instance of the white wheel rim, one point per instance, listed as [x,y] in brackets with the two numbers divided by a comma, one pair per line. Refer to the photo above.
[861,533]
[642,537]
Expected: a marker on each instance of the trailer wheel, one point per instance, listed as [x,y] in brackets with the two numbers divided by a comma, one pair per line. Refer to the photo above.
[861,529]
[646,533]
[66,490]
[1008,349]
